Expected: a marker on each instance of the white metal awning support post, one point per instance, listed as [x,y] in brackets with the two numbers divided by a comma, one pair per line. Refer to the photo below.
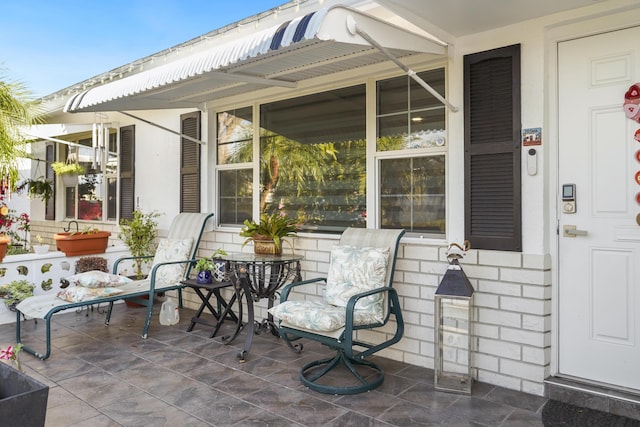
[352,26]
[181,135]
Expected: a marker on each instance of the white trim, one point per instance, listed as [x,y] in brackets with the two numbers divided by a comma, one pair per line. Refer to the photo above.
[615,20]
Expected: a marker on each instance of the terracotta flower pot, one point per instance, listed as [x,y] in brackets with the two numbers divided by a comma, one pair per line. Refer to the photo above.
[4,241]
[82,243]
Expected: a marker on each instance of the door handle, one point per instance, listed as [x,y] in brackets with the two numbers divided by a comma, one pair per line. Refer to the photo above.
[571,231]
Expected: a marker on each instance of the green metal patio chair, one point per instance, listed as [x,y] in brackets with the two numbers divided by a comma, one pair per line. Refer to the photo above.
[357,297]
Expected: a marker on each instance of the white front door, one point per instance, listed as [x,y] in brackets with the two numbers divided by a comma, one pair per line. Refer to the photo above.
[599,262]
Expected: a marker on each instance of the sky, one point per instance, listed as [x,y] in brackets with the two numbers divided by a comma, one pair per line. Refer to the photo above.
[49,45]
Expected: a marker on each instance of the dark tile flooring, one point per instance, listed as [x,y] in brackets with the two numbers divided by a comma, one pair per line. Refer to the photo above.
[110,376]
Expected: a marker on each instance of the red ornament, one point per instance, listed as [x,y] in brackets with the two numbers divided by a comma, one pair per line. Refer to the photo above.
[631,104]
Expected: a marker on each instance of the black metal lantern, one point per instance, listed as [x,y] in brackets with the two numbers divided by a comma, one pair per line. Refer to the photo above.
[453,310]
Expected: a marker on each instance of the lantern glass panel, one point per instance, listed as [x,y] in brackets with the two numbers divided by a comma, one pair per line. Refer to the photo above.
[453,371]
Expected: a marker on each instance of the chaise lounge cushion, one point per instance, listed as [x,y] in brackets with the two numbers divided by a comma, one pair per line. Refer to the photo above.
[172,250]
[96,279]
[81,293]
[318,315]
[354,270]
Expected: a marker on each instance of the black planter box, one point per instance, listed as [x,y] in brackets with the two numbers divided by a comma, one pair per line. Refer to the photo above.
[23,400]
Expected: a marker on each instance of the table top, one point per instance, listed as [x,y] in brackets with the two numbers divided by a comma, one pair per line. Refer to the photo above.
[213,285]
[251,257]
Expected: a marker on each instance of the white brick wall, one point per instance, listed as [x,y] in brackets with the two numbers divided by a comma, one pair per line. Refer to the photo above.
[512,314]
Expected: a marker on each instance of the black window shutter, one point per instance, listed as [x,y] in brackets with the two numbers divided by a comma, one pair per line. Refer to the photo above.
[493,217]
[127,171]
[50,208]
[190,163]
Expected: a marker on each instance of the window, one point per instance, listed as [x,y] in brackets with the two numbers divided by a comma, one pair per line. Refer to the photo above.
[235,171]
[312,158]
[95,196]
[492,149]
[411,147]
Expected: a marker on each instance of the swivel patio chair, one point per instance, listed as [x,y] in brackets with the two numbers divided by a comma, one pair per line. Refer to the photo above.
[357,297]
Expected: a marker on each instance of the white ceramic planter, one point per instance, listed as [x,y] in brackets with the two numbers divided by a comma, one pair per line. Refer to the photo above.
[41,249]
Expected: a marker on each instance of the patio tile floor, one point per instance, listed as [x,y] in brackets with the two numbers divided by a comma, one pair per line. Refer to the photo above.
[110,376]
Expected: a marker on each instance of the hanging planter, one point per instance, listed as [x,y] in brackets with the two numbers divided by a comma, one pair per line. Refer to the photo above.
[37,188]
[70,180]
[68,171]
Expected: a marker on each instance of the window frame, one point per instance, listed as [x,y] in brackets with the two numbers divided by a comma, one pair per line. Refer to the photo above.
[373,157]
[115,132]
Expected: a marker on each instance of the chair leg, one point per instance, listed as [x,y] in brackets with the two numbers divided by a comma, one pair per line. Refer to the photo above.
[296,348]
[312,372]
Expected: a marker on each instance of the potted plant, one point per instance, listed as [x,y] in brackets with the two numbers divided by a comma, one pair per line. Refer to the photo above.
[267,234]
[212,268]
[139,234]
[204,267]
[86,242]
[37,188]
[6,221]
[68,171]
[40,247]
[17,291]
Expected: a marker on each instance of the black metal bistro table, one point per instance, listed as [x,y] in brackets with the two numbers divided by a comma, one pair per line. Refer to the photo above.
[259,276]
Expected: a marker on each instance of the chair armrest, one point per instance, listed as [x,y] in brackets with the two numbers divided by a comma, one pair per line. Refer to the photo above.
[351,304]
[154,269]
[284,292]
[117,262]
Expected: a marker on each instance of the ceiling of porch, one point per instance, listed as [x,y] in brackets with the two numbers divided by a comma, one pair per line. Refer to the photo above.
[463,17]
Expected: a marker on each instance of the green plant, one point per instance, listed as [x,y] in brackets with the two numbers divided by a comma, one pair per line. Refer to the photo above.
[139,234]
[275,226]
[37,189]
[61,168]
[17,291]
[204,264]
[86,230]
[218,252]
[19,110]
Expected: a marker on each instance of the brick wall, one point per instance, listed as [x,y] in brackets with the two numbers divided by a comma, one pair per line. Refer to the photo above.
[512,305]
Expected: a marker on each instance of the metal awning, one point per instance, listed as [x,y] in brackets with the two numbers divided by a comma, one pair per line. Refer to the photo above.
[309,46]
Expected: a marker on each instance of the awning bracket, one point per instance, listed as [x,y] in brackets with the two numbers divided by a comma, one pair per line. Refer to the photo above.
[352,27]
